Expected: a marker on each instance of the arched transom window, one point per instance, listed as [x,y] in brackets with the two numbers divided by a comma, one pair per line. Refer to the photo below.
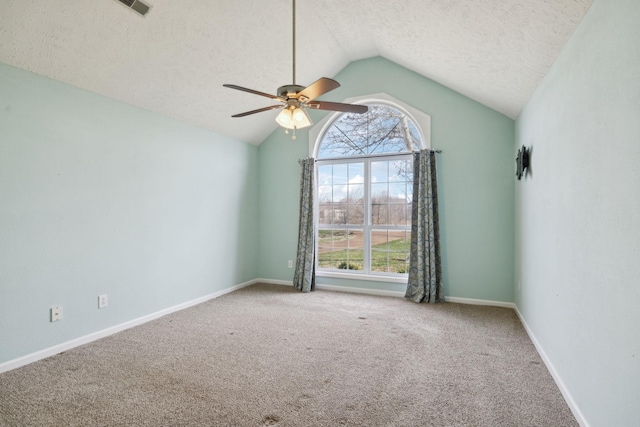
[364,191]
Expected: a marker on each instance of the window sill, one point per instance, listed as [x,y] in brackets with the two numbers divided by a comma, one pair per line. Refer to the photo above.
[367,277]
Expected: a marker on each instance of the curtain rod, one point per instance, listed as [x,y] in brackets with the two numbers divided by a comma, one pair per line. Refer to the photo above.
[371,156]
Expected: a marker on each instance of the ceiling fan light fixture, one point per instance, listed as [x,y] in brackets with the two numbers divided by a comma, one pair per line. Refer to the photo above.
[296,118]
[285,118]
[301,118]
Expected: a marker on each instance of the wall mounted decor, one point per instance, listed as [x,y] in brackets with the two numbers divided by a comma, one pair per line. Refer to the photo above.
[522,161]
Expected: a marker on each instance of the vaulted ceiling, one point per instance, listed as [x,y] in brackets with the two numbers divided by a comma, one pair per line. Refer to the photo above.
[175,60]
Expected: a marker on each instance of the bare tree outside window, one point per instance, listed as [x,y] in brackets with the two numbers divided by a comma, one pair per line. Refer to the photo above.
[382,130]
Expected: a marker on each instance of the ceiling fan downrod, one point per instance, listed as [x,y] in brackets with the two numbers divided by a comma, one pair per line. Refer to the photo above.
[294,40]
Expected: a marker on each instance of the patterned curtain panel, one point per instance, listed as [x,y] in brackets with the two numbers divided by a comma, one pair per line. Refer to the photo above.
[425,270]
[304,277]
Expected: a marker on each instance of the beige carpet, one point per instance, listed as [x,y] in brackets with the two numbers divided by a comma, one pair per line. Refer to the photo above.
[269,355]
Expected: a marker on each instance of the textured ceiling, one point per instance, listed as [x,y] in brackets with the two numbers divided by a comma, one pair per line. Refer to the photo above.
[175,60]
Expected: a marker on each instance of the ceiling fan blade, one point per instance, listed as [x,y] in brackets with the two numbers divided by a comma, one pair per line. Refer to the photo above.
[255,92]
[259,110]
[319,87]
[337,106]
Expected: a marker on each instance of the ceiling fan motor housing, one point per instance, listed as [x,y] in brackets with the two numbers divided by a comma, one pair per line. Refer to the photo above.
[290,91]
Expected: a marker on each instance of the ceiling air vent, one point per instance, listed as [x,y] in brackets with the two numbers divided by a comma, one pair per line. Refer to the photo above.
[137,6]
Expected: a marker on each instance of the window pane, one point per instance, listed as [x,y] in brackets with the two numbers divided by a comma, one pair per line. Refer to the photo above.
[379,171]
[335,144]
[379,214]
[380,192]
[325,248]
[325,213]
[400,170]
[355,214]
[399,247]
[355,250]
[397,214]
[325,174]
[324,193]
[379,250]
[356,193]
[355,260]
[390,251]
[339,193]
[383,129]
[339,213]
[331,245]
[356,173]
[340,174]
[341,249]
[398,192]
[379,203]
[415,135]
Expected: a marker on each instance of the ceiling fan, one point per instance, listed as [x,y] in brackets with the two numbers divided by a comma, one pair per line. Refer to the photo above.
[294,99]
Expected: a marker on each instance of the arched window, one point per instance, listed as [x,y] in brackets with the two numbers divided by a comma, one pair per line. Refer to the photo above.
[364,191]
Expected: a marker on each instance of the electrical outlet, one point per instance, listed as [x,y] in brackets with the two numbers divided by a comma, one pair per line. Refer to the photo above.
[102,301]
[290,264]
[56,313]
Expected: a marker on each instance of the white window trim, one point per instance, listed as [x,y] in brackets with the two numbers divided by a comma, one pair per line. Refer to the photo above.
[423,124]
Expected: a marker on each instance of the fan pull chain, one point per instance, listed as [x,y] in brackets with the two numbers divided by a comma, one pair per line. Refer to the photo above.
[294,132]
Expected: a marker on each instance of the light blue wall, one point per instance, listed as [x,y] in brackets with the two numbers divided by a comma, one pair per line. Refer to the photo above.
[476,172]
[98,197]
[578,215]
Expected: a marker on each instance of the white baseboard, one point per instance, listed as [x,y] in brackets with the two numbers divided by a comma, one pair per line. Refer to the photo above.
[556,377]
[386,293]
[274,282]
[481,302]
[400,294]
[59,348]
